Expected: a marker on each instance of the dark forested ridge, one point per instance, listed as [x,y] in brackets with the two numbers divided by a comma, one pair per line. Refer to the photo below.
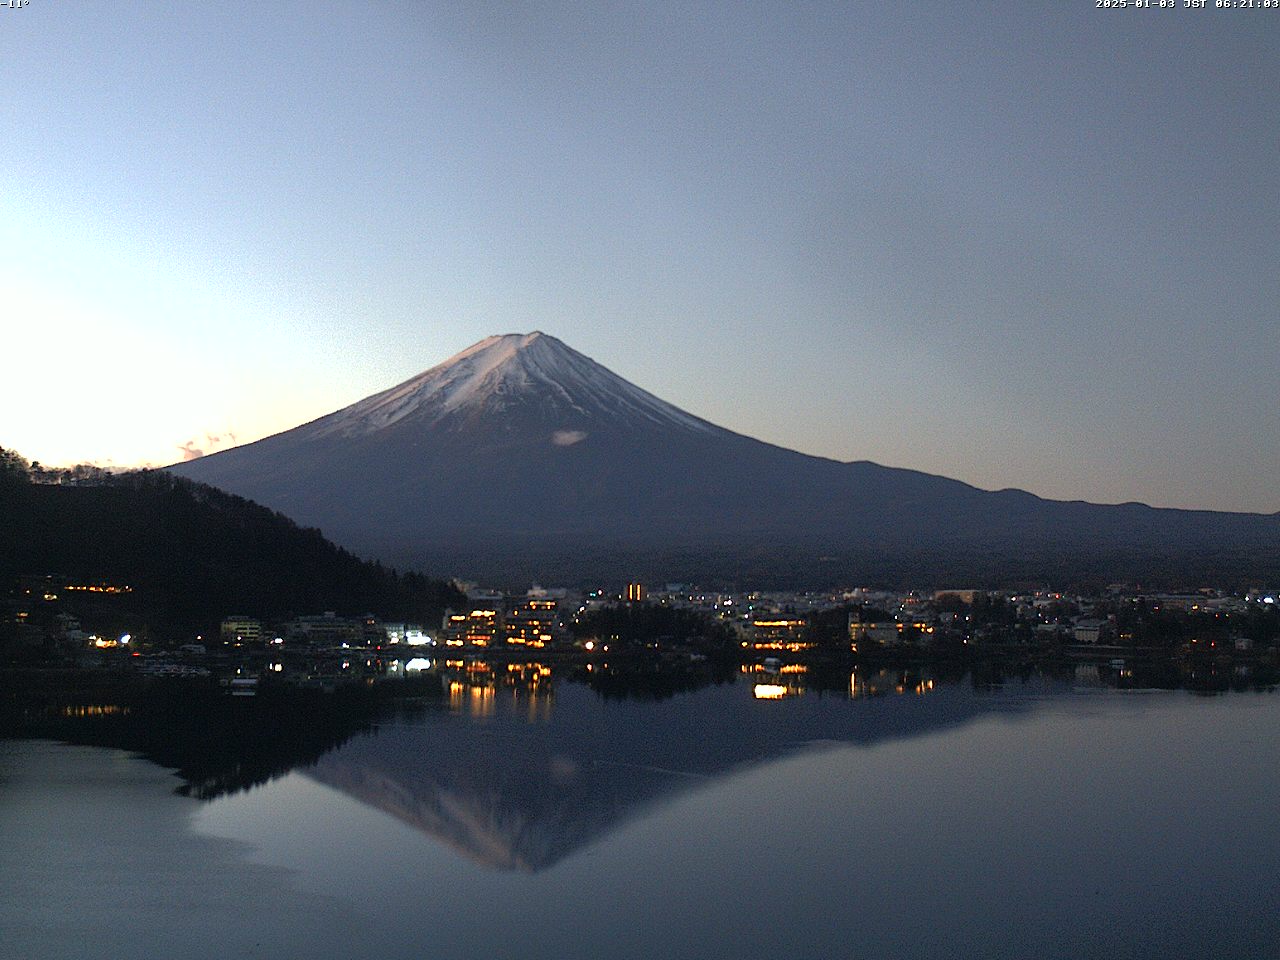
[192,553]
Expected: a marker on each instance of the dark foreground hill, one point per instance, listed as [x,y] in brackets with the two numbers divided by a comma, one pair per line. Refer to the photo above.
[194,554]
[520,458]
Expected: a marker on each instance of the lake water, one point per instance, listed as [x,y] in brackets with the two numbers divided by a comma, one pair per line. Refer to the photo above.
[751,819]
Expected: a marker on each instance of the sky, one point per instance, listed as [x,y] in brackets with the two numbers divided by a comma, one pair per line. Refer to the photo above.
[1031,244]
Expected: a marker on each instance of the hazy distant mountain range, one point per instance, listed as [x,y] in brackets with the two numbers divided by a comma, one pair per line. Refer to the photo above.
[521,458]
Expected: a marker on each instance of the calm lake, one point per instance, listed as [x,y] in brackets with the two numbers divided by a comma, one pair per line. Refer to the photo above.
[894,815]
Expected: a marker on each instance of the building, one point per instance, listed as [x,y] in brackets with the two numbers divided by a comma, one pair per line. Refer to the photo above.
[781,633]
[238,629]
[328,630]
[532,623]
[1087,631]
[478,628]
[635,593]
[887,633]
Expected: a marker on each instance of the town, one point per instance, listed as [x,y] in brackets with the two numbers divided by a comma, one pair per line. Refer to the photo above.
[51,620]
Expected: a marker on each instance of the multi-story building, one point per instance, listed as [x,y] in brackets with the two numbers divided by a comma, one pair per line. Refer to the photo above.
[779,633]
[478,628]
[328,630]
[532,623]
[887,633]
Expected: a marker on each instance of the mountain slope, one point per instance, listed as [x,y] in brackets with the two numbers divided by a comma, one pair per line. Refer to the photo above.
[521,458]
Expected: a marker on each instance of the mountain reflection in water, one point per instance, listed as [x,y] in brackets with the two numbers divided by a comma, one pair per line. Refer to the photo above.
[517,775]
[516,767]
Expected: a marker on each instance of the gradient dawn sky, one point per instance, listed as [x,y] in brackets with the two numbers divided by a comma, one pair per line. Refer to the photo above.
[1029,244]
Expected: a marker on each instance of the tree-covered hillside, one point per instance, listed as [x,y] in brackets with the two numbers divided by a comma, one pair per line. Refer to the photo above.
[193,554]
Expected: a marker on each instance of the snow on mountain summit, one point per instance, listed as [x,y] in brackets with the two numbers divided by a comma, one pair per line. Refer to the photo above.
[499,373]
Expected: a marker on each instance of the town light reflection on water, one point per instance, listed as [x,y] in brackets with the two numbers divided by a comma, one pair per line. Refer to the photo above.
[777,682]
[95,710]
[879,682]
[474,700]
[473,686]
[770,691]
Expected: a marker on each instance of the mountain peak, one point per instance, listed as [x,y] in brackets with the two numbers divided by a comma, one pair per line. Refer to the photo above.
[511,342]
[521,456]
[506,373]
[505,348]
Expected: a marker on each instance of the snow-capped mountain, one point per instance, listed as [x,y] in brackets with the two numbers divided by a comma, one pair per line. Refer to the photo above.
[521,458]
[495,377]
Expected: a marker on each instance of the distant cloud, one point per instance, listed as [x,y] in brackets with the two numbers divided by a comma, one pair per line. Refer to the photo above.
[212,441]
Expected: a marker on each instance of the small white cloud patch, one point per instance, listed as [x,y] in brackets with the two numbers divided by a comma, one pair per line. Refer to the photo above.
[567,438]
